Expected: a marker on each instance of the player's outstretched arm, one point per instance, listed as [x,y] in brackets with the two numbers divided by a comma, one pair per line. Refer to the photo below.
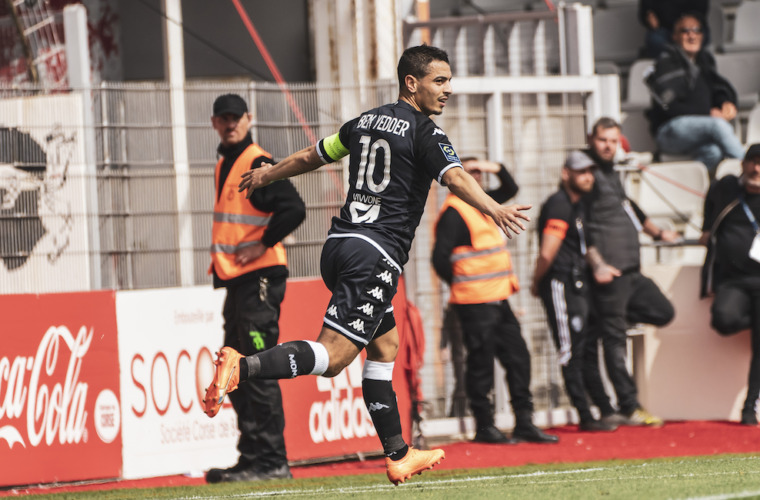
[507,217]
[298,163]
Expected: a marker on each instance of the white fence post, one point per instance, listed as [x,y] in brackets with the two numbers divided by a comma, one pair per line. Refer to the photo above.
[175,68]
[78,67]
[578,54]
[579,39]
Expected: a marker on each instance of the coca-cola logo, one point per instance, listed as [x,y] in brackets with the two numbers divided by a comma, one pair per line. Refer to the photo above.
[53,402]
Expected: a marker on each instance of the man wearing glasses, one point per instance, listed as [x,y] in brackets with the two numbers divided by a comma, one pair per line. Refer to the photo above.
[691,103]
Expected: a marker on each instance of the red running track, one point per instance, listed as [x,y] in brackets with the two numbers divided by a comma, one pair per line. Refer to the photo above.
[675,439]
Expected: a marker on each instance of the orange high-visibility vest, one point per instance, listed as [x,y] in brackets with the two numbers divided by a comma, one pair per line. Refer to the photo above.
[237,223]
[482,272]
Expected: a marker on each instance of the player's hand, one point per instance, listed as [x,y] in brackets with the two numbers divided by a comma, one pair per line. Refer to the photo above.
[605,273]
[247,254]
[534,289]
[508,218]
[254,179]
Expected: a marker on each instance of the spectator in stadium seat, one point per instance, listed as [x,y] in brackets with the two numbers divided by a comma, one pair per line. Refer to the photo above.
[561,280]
[471,256]
[248,259]
[622,296]
[395,151]
[691,103]
[659,17]
[731,230]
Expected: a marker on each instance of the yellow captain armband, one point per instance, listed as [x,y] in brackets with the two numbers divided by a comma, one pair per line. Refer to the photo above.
[333,148]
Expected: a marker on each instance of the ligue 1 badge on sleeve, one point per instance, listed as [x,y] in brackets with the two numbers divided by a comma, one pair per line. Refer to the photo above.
[449,153]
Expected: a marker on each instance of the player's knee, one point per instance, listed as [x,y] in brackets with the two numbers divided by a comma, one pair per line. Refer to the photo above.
[335,368]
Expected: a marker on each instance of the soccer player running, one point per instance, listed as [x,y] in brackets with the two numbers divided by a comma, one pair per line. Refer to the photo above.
[395,151]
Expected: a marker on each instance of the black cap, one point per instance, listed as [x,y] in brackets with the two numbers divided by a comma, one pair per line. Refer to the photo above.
[230,103]
[752,151]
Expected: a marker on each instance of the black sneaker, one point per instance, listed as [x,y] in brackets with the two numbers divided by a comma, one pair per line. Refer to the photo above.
[492,435]
[532,434]
[616,419]
[217,475]
[252,473]
[749,418]
[596,426]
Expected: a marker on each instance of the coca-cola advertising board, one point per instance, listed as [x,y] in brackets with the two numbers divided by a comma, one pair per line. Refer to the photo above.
[59,388]
[167,341]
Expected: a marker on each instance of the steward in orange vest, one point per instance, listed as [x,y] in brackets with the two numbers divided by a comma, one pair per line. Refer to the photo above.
[470,255]
[271,214]
[248,259]
[482,271]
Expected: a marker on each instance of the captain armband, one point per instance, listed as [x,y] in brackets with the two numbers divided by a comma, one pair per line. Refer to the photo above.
[331,149]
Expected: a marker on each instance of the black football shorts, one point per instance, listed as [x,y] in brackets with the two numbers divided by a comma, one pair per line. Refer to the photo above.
[363,279]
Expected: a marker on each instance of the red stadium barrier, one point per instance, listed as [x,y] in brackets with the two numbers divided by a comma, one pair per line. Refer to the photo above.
[59,388]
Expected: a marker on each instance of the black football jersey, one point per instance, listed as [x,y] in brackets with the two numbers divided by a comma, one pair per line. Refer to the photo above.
[396,152]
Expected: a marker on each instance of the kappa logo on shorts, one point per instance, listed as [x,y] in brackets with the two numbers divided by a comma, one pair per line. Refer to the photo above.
[376,292]
[386,276]
[366,309]
[357,325]
[376,407]
[449,152]
[332,311]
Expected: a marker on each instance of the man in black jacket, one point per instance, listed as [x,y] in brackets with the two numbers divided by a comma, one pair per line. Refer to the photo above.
[248,259]
[691,103]
[732,211]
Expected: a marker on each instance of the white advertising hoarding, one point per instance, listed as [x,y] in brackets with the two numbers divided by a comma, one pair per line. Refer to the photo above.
[167,340]
[43,224]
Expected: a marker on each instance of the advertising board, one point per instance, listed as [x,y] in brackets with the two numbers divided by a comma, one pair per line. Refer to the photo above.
[59,388]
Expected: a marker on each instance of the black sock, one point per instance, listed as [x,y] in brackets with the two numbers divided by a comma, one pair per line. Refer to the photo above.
[381,403]
[287,360]
[398,455]
[243,369]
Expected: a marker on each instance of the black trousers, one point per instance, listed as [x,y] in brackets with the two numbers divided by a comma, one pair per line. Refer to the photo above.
[492,330]
[567,311]
[628,299]
[736,307]
[251,315]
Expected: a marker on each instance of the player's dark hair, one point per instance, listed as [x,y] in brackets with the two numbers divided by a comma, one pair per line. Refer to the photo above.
[604,123]
[415,61]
